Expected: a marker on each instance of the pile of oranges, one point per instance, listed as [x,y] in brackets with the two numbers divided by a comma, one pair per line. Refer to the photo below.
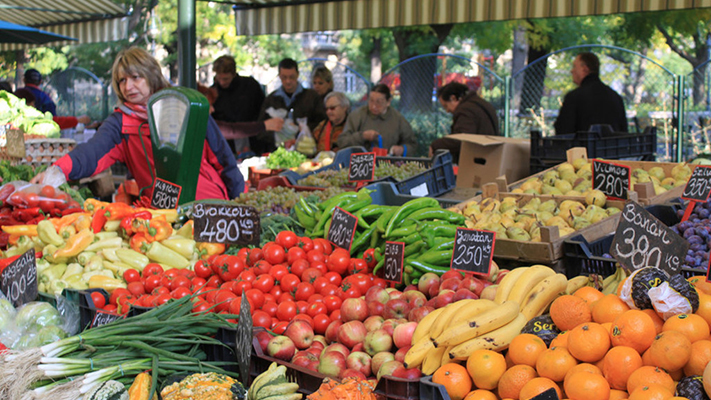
[605,351]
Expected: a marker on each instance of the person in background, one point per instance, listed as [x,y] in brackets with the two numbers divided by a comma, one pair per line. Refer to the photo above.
[327,132]
[6,86]
[238,98]
[63,122]
[379,125]
[292,96]
[125,137]
[592,102]
[470,114]
[322,81]
[43,102]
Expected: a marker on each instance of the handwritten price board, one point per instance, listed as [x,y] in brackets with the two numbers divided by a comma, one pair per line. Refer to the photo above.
[611,179]
[641,240]
[394,261]
[103,318]
[15,142]
[18,280]
[165,195]
[343,227]
[362,167]
[473,250]
[225,223]
[698,187]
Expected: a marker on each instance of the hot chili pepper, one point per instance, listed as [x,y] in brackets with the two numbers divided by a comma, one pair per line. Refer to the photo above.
[97,222]
[76,244]
[5,192]
[137,241]
[117,211]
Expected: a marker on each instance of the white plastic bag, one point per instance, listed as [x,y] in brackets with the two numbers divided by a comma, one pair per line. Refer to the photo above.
[288,131]
[305,142]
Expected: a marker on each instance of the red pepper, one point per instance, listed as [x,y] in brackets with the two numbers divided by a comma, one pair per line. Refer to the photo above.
[126,225]
[158,229]
[72,210]
[26,214]
[35,220]
[5,192]
[4,238]
[97,222]
[117,211]
[7,261]
[6,211]
[138,242]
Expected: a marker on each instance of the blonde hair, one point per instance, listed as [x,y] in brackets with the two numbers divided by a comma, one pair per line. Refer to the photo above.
[137,61]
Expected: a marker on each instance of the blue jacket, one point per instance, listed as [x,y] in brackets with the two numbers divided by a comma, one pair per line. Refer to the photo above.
[42,100]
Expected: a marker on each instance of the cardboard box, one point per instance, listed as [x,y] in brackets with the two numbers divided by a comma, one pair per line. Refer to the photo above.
[483,158]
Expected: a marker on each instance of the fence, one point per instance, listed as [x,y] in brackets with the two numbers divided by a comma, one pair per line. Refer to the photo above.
[77,91]
[697,119]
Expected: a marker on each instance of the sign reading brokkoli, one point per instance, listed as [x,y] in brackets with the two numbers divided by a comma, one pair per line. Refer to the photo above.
[225,223]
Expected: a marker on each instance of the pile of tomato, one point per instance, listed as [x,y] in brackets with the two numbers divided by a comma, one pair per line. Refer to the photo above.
[291,278]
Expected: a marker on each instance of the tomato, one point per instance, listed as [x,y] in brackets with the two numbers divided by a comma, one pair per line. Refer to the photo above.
[180,292]
[269,297]
[319,283]
[301,307]
[321,322]
[286,239]
[255,255]
[299,266]
[351,293]
[248,276]
[305,317]
[210,293]
[314,298]
[261,318]
[131,275]
[316,308]
[48,192]
[295,253]
[339,261]
[270,307]
[202,290]
[32,200]
[333,278]
[235,306]
[285,296]
[335,315]
[276,291]
[214,281]
[243,253]
[201,307]
[162,299]
[46,205]
[72,204]
[274,254]
[278,271]
[303,291]
[286,311]
[380,282]
[361,282]
[310,274]
[110,308]
[180,281]
[63,201]
[98,299]
[18,200]
[328,290]
[332,303]
[223,299]
[241,287]
[160,290]
[369,258]
[265,283]
[196,283]
[319,265]
[261,267]
[315,256]
[136,288]
[152,269]
[324,244]
[306,243]
[235,265]
[280,327]
[255,297]
[152,282]
[288,282]
[357,265]
[202,269]
[230,285]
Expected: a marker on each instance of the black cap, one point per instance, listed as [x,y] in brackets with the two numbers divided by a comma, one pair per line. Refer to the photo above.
[33,76]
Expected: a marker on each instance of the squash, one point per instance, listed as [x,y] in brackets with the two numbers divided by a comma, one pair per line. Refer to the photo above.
[207,386]
[141,387]
[109,390]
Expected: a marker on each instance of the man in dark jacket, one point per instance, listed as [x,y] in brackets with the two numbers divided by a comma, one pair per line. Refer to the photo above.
[43,102]
[592,102]
[291,96]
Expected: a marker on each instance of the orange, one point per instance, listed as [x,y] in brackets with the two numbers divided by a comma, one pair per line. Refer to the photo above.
[670,350]
[704,310]
[589,294]
[514,379]
[618,394]
[608,328]
[525,349]
[693,326]
[569,311]
[700,356]
[634,329]
[560,341]
[646,375]
[485,368]
[536,386]
[554,363]
[619,287]
[676,375]
[480,394]
[509,363]
[619,363]
[455,380]
[587,386]
[653,391]
[582,367]
[700,284]
[658,321]
[589,342]
[608,308]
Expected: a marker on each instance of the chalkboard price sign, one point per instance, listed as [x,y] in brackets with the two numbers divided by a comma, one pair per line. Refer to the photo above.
[362,167]
[611,179]
[165,195]
[641,240]
[343,227]
[225,223]
[549,394]
[103,318]
[473,250]
[394,260]
[19,279]
[698,187]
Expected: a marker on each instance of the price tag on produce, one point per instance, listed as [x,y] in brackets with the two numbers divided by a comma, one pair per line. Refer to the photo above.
[225,223]
[641,240]
[103,318]
[15,142]
[165,195]
[243,341]
[394,261]
[362,167]
[19,279]
[473,250]
[698,187]
[611,179]
[343,228]
[549,394]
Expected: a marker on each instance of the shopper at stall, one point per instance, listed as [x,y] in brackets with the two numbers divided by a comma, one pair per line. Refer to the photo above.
[322,81]
[470,114]
[379,125]
[124,136]
[592,102]
[43,102]
[327,132]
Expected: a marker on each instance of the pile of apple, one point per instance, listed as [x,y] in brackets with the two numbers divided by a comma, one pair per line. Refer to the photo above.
[374,331]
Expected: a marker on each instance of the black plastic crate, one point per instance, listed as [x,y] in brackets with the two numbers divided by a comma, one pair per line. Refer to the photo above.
[386,194]
[432,391]
[226,353]
[309,381]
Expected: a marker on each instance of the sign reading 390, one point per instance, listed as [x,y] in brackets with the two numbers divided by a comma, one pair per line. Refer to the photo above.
[225,223]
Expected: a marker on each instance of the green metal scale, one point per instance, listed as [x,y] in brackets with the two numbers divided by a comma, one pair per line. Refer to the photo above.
[177,117]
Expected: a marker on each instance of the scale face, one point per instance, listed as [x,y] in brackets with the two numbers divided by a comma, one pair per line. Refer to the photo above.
[177,117]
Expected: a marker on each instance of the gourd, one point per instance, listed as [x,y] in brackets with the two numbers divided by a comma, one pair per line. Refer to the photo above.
[141,387]
[109,390]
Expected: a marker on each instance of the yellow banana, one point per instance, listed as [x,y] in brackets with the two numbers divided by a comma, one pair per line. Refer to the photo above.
[507,283]
[416,355]
[425,324]
[478,325]
[445,355]
[542,295]
[450,310]
[432,361]
[496,340]
[528,280]
[576,283]
[476,307]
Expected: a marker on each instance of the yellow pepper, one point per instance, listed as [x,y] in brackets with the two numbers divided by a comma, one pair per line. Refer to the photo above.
[208,249]
[48,234]
[106,283]
[23,230]
[76,244]
[82,222]
[170,215]
[94,205]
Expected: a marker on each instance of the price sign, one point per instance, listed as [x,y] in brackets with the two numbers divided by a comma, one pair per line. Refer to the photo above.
[165,195]
[103,318]
[698,187]
[641,240]
[549,394]
[473,250]
[362,167]
[243,341]
[611,179]
[343,228]
[394,261]
[15,142]
[19,279]
[225,223]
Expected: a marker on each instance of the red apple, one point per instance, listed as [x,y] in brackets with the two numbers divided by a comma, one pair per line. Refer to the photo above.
[319,341]
[377,294]
[314,350]
[300,332]
[376,308]
[395,294]
[313,365]
[427,281]
[281,347]
[452,273]
[450,284]
[303,358]
[379,359]
[493,272]
[263,337]
[416,314]
[489,292]
[389,325]
[473,284]
[409,288]
[332,331]
[462,294]
[378,341]
[332,364]
[415,298]
[501,275]
[396,308]
[402,335]
[351,373]
[444,298]
[400,353]
[354,309]
[373,322]
[387,368]
[431,302]
[434,290]
[359,361]
[407,373]
[336,347]
[358,347]
[351,333]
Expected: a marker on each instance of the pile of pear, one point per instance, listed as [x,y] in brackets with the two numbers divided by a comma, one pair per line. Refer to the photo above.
[575,179]
[521,218]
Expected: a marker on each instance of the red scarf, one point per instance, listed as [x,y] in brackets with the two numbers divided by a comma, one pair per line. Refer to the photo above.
[327,139]
[140,110]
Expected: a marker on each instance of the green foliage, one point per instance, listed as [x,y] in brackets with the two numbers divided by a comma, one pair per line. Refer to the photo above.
[357,46]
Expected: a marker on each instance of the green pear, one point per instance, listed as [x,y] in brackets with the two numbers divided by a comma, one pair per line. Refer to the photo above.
[580,223]
[569,176]
[544,215]
[533,204]
[550,177]
[507,203]
[612,210]
[668,181]
[518,234]
[471,208]
[532,184]
[572,206]
[573,193]
[566,166]
[584,170]
[549,206]
[563,186]
[657,172]
[580,163]
[551,190]
[490,204]
[681,171]
[596,197]
[556,221]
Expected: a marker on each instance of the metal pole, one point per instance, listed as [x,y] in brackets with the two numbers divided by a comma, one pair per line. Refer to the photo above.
[186,44]
[679,118]
[507,105]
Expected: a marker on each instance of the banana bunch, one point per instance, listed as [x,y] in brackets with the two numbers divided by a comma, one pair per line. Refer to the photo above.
[612,282]
[273,385]
[534,288]
[455,331]
[577,283]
